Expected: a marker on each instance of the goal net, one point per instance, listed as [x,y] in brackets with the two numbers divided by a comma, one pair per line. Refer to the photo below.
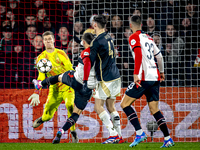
[174,27]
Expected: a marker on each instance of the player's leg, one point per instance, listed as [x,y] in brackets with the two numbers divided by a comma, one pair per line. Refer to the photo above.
[51,105]
[69,103]
[131,94]
[153,99]
[66,78]
[110,104]
[105,118]
[80,104]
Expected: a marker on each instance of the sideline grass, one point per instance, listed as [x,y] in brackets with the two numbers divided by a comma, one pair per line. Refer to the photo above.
[95,146]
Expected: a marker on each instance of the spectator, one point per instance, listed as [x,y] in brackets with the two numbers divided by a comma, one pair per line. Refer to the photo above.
[170,13]
[47,26]
[78,29]
[30,35]
[7,66]
[63,40]
[2,9]
[117,28]
[174,51]
[41,14]
[90,29]
[30,19]
[158,41]
[74,48]
[14,24]
[14,6]
[127,61]
[151,27]
[38,43]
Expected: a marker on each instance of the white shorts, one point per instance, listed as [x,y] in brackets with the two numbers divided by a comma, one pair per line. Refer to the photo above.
[105,90]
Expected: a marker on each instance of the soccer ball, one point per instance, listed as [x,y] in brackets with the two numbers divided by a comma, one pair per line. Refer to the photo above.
[44,65]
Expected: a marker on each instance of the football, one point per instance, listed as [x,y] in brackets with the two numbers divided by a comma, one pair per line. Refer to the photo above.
[44,65]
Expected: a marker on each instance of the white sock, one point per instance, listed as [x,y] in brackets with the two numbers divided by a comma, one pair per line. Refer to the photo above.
[166,138]
[139,132]
[105,118]
[116,122]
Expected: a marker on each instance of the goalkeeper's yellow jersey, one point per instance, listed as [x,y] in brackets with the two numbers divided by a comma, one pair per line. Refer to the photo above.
[60,64]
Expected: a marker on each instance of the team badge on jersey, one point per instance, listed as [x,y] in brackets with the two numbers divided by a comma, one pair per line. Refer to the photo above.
[133,42]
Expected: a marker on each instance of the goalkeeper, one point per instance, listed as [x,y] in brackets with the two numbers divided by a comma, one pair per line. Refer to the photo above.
[83,80]
[57,92]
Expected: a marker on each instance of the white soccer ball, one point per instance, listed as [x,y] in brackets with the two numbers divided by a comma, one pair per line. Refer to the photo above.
[44,65]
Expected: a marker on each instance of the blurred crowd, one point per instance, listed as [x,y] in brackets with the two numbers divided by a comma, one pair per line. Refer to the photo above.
[173,25]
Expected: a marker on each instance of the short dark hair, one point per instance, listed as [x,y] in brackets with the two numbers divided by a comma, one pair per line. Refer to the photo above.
[47,33]
[100,20]
[88,37]
[136,19]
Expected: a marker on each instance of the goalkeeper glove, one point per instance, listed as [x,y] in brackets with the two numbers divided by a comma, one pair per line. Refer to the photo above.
[35,99]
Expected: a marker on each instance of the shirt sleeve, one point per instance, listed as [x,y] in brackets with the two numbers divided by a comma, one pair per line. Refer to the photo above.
[138,59]
[134,41]
[87,63]
[93,51]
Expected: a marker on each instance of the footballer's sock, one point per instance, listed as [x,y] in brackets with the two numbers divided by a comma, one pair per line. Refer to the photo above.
[70,121]
[105,118]
[116,122]
[133,118]
[50,80]
[161,123]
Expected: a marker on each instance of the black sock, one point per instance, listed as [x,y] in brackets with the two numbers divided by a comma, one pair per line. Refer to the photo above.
[161,123]
[70,121]
[50,80]
[132,117]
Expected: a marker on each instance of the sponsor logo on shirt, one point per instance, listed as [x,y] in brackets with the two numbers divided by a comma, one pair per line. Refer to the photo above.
[86,54]
[133,42]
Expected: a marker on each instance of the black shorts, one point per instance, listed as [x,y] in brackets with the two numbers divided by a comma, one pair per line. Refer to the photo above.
[69,79]
[149,88]
[81,99]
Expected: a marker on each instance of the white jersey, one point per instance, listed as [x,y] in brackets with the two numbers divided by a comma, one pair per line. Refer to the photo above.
[146,49]
[79,74]
[92,81]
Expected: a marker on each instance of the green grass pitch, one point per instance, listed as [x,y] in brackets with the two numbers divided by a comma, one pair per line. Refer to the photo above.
[96,146]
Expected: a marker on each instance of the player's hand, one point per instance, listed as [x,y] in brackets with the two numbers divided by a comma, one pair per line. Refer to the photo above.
[137,80]
[84,89]
[34,99]
[162,77]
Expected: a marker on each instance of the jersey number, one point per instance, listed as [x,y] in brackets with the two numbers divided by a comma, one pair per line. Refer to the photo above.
[110,50]
[150,50]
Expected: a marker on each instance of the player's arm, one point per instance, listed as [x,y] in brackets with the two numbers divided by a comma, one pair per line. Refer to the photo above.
[159,57]
[87,63]
[134,42]
[35,96]
[93,51]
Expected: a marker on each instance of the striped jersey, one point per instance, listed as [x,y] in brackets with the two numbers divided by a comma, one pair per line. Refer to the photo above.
[143,50]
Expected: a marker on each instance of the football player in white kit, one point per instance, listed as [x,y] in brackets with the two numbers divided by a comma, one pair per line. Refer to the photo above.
[76,80]
[147,80]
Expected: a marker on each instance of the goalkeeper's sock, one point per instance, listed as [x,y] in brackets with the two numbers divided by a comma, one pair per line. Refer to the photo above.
[116,122]
[70,121]
[107,122]
[132,117]
[50,80]
[161,123]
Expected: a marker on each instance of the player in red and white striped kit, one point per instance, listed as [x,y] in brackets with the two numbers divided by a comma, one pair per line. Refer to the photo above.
[147,80]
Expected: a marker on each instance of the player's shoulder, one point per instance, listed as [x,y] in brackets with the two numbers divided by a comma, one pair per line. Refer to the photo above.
[85,52]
